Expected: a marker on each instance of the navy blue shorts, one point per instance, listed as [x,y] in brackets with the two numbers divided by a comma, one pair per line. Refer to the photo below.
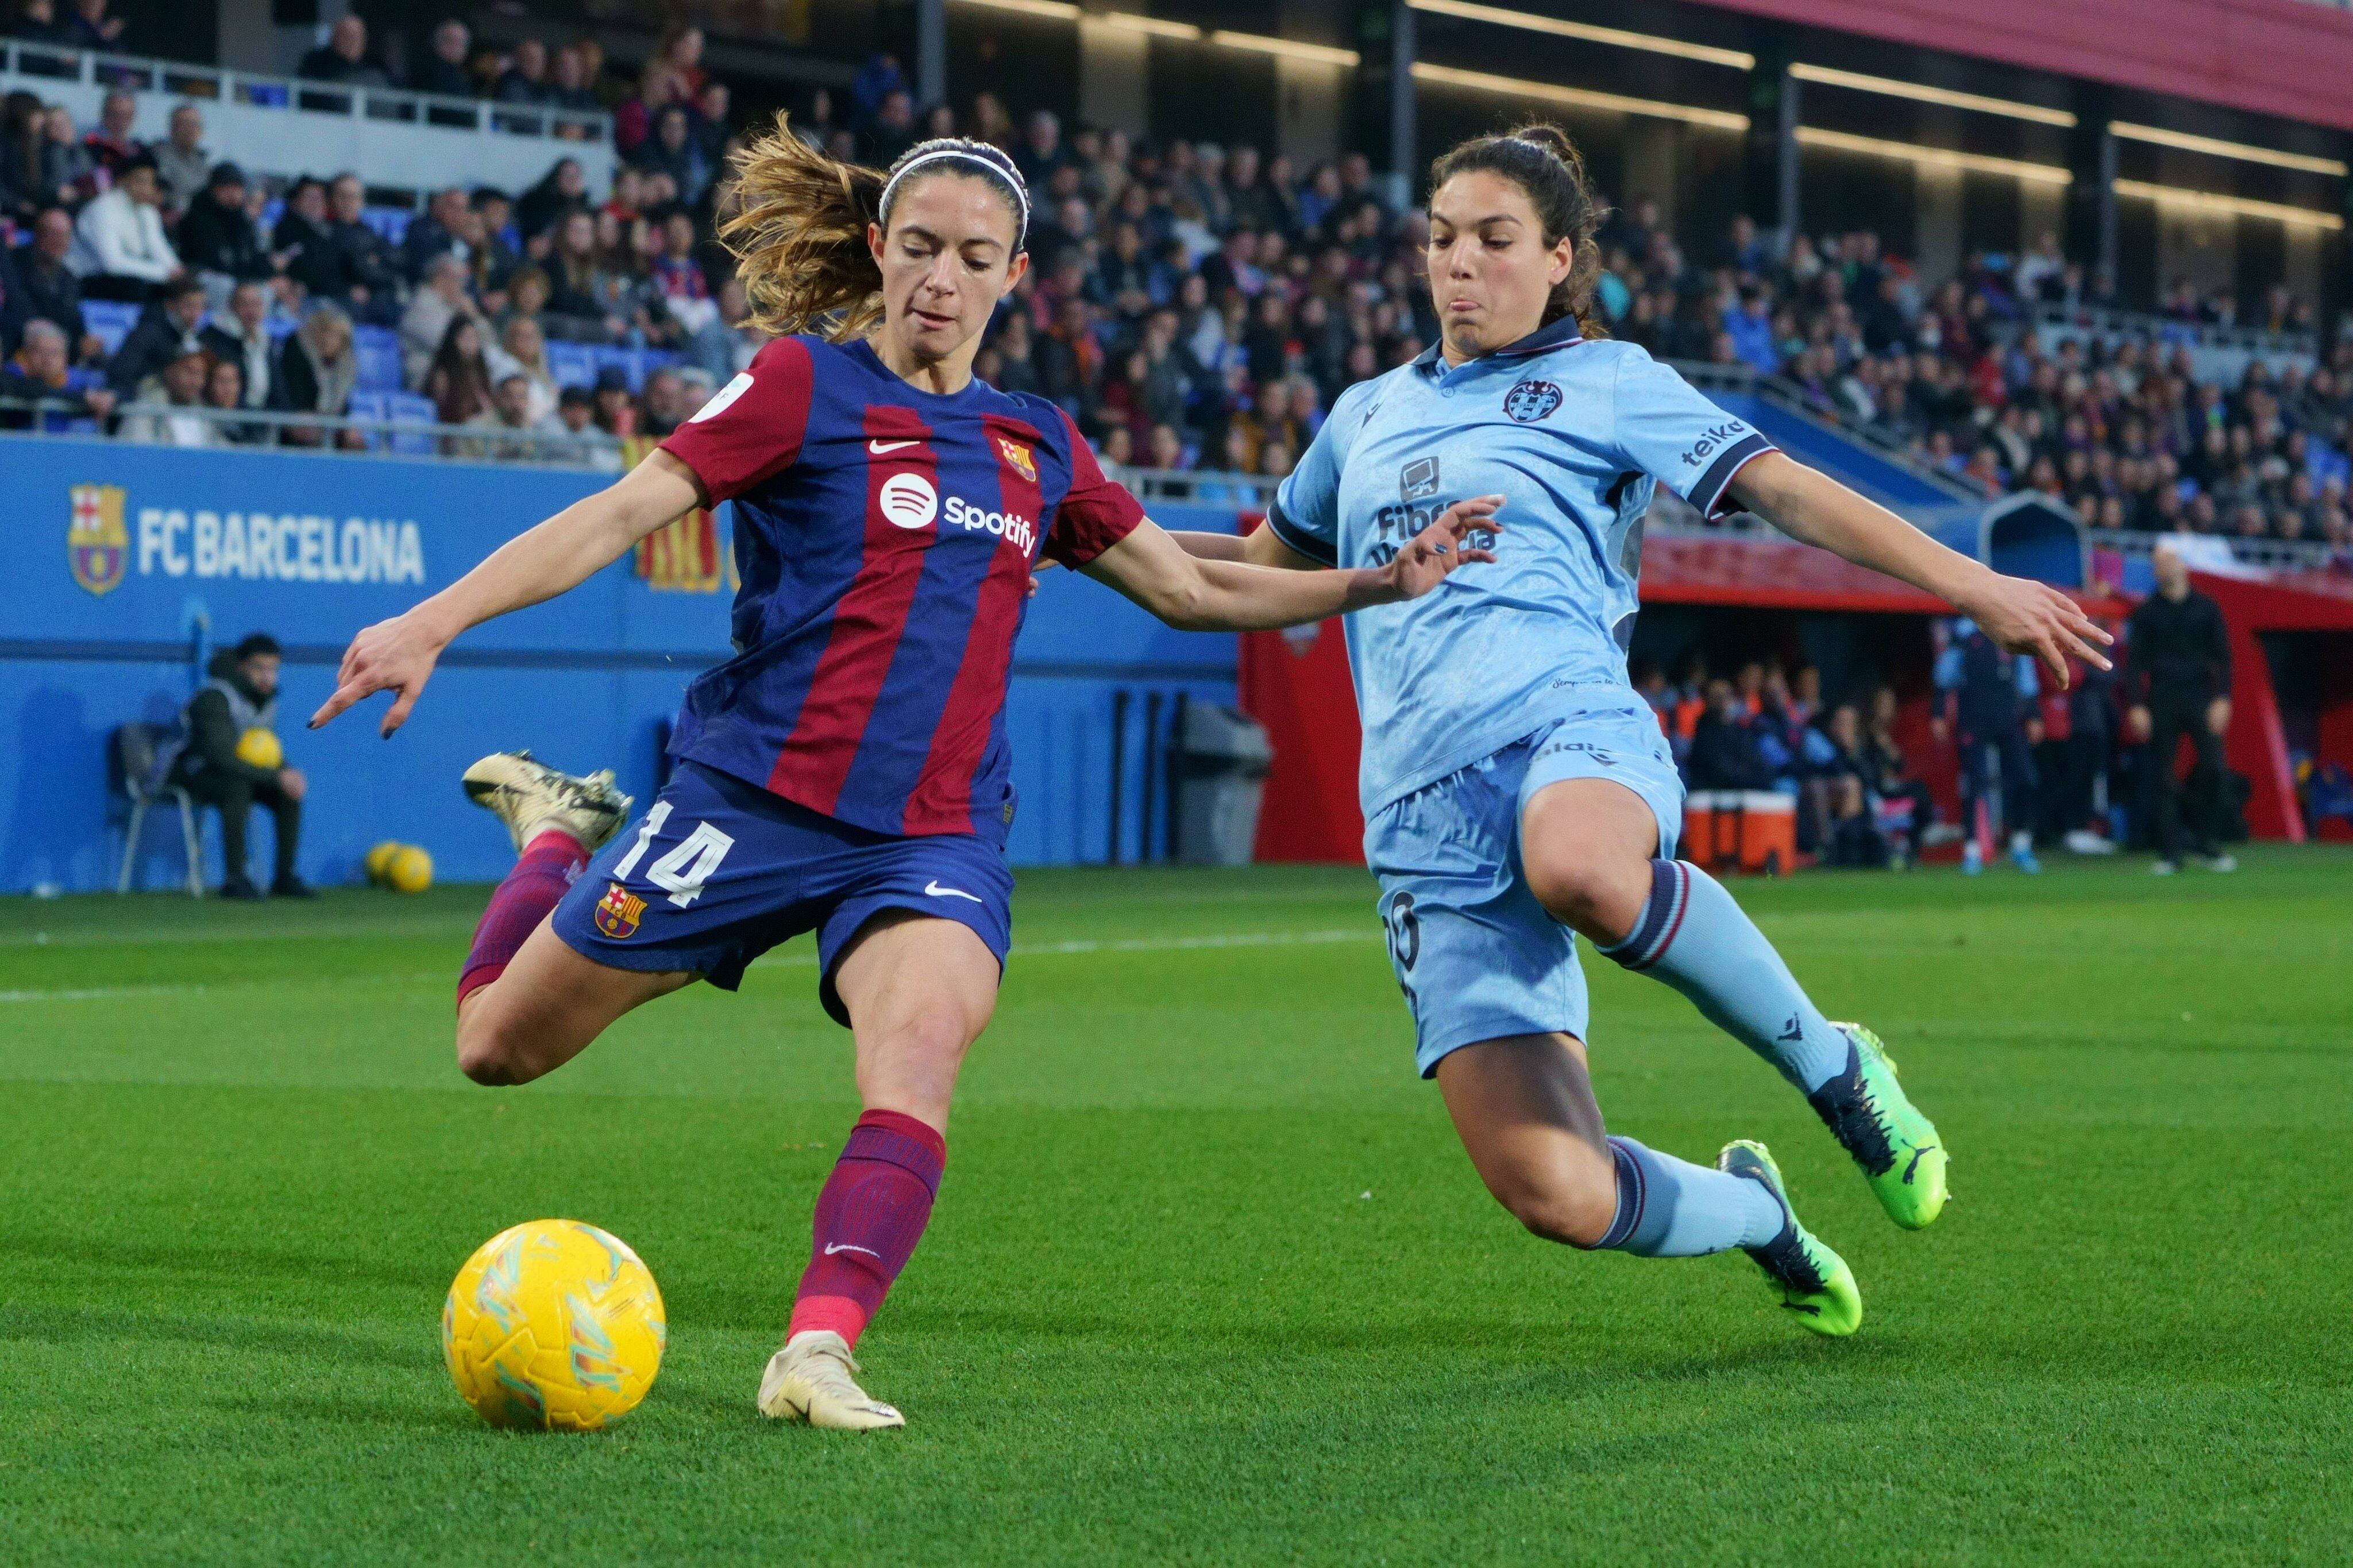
[718,871]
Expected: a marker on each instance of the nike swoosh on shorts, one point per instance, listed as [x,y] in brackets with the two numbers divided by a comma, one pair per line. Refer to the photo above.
[936,890]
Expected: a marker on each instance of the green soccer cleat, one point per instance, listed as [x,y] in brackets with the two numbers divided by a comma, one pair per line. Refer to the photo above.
[1813,1281]
[1899,1151]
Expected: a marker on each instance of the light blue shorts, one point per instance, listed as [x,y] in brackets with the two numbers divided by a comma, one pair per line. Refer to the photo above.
[1477,957]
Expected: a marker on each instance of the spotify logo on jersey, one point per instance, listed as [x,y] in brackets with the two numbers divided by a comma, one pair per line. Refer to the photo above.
[909,501]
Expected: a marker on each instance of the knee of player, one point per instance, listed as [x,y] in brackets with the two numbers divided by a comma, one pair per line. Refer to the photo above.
[1564,1212]
[1589,894]
[487,1053]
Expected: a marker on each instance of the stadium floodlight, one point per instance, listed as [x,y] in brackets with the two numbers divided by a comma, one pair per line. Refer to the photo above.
[1934,157]
[1889,87]
[1061,10]
[1578,96]
[1289,48]
[2222,149]
[1738,59]
[1156,26]
[2220,206]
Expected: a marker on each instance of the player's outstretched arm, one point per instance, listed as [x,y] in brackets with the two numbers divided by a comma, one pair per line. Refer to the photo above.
[398,655]
[2020,616]
[1196,596]
[1260,547]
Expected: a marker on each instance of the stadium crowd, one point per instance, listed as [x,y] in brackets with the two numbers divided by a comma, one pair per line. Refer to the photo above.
[1195,307]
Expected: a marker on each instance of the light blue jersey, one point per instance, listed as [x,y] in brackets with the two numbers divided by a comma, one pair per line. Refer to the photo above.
[1575,435]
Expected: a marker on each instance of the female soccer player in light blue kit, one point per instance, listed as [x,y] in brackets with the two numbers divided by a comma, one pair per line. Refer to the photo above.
[1516,789]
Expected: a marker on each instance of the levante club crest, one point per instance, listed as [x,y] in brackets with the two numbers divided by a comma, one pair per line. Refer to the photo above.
[619,911]
[97,545]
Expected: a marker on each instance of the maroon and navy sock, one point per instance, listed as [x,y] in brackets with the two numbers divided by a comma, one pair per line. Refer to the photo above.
[869,1218]
[550,864]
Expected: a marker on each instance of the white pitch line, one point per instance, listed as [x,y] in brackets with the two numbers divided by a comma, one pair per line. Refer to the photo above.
[1217,939]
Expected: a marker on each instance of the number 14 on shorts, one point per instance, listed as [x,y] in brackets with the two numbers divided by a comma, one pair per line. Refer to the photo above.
[682,870]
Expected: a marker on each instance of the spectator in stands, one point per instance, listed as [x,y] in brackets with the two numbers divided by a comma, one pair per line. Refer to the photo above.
[242,694]
[579,284]
[575,415]
[437,232]
[25,187]
[672,150]
[2178,673]
[344,59]
[49,285]
[892,130]
[633,120]
[667,403]
[509,425]
[522,351]
[1890,778]
[458,381]
[305,243]
[225,393]
[317,371]
[183,162]
[67,167]
[36,22]
[180,385]
[219,241]
[42,368]
[92,28]
[120,248]
[680,48]
[443,68]
[524,81]
[367,276]
[1724,752]
[167,331]
[617,408]
[433,310]
[111,145]
[243,339]
[564,188]
[568,83]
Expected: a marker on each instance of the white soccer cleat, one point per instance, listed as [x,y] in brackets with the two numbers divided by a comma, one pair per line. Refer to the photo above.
[809,1380]
[531,797]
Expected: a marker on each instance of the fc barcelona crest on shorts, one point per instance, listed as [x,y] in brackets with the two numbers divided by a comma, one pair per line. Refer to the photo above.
[1531,400]
[1018,456]
[97,545]
[619,911]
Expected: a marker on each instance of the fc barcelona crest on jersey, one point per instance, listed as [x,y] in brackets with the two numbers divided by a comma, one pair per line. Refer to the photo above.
[1018,456]
[98,547]
[1531,401]
[619,911]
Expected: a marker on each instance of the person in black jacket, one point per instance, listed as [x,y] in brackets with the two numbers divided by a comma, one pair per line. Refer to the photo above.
[167,331]
[242,695]
[2178,672]
[307,246]
[1724,750]
[371,274]
[217,235]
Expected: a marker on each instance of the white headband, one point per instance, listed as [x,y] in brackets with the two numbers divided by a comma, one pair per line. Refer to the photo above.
[1020,196]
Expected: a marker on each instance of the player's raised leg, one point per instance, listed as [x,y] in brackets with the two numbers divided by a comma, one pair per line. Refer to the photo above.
[1589,847]
[1525,1109]
[526,1002]
[918,992]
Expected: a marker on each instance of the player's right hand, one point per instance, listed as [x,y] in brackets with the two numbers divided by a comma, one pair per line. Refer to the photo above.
[395,656]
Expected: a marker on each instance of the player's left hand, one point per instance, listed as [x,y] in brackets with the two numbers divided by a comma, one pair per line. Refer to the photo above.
[395,656]
[2037,619]
[1429,556]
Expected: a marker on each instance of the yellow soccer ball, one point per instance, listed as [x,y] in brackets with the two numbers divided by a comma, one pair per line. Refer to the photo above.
[259,748]
[553,1326]
[379,862]
[410,869]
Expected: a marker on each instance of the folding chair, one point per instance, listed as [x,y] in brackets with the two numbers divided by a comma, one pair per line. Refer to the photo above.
[136,769]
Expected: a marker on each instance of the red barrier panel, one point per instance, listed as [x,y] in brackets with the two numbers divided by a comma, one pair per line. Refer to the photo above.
[1296,684]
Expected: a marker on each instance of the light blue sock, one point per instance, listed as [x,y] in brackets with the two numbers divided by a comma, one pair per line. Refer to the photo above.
[1691,936]
[1672,1208]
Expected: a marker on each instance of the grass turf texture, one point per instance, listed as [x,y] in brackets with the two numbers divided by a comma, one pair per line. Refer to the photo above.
[1209,1280]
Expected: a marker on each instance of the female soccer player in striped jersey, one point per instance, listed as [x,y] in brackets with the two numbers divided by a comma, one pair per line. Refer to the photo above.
[846,773]
[1516,789]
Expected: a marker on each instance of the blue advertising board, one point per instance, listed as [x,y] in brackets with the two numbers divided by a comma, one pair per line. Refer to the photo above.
[129,564]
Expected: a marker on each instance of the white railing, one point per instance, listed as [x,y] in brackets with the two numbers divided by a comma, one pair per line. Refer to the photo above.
[2171,329]
[135,73]
[2255,554]
[259,429]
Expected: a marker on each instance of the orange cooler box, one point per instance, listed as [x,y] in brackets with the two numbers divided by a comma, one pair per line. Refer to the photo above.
[1741,830]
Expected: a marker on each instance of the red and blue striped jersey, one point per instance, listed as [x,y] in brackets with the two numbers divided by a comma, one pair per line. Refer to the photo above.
[885,537]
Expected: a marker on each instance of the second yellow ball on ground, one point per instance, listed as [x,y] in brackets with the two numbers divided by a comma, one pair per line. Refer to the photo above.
[409,870]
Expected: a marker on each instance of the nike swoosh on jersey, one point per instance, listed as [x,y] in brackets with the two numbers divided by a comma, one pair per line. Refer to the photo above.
[936,890]
[882,449]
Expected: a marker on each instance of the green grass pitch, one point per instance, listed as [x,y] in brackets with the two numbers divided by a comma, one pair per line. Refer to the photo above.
[1209,1280]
